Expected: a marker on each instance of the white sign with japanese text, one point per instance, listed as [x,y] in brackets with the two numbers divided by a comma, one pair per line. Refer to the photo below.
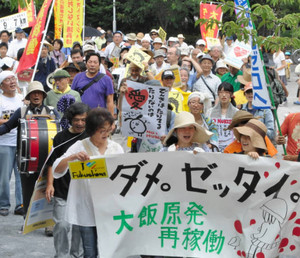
[11,22]
[225,136]
[144,111]
[205,205]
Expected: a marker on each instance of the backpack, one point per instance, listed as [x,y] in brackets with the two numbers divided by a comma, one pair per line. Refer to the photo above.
[276,87]
[278,92]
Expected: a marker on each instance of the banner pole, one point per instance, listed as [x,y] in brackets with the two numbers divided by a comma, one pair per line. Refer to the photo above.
[43,38]
[83,22]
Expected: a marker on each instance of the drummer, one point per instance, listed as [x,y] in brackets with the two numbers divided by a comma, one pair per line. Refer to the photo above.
[35,96]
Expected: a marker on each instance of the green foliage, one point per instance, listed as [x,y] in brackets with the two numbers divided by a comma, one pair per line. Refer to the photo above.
[272,20]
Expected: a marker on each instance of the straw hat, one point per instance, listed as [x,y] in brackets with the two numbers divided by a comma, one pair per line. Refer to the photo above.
[184,119]
[239,117]
[147,51]
[256,130]
[35,86]
[48,45]
[246,77]
[131,36]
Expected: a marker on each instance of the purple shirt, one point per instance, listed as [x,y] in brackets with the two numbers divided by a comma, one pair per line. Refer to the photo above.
[96,94]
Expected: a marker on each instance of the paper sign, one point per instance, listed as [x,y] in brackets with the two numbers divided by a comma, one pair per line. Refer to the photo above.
[239,51]
[137,56]
[211,42]
[115,61]
[175,99]
[144,111]
[162,34]
[95,168]
[177,82]
[40,212]
[225,136]
[209,205]
[11,22]
[116,52]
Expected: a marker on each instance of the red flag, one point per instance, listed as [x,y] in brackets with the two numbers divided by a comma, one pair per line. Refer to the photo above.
[210,11]
[30,10]
[31,51]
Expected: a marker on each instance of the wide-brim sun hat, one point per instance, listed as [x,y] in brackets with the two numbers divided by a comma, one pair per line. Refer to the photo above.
[35,86]
[185,119]
[256,130]
[48,45]
[246,77]
[241,116]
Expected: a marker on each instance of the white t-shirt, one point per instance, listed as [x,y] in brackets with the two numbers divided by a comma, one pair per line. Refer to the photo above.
[7,107]
[80,208]
[278,62]
[14,47]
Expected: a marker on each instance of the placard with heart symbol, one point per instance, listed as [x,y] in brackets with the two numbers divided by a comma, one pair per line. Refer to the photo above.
[136,98]
[238,51]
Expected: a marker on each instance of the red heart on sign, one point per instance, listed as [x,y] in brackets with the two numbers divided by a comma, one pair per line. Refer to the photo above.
[136,98]
[266,174]
[240,52]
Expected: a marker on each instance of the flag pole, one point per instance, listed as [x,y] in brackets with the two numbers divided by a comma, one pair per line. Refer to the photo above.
[43,38]
[83,22]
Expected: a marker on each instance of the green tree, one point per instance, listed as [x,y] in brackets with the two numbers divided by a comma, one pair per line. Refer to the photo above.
[271,22]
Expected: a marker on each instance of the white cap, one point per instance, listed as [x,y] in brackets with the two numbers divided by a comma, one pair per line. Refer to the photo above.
[184,51]
[157,40]
[87,47]
[146,39]
[200,55]
[200,42]
[221,64]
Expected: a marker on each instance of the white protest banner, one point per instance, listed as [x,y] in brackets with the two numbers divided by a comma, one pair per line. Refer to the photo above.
[13,21]
[239,51]
[225,136]
[205,205]
[144,111]
[261,99]
[137,56]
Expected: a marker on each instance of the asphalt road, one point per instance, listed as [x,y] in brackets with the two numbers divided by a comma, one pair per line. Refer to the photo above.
[35,244]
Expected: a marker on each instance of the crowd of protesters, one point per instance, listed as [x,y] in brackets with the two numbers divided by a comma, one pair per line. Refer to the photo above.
[84,89]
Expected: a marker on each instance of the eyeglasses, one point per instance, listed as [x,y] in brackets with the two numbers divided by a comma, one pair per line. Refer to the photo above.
[103,131]
[195,103]
[11,79]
